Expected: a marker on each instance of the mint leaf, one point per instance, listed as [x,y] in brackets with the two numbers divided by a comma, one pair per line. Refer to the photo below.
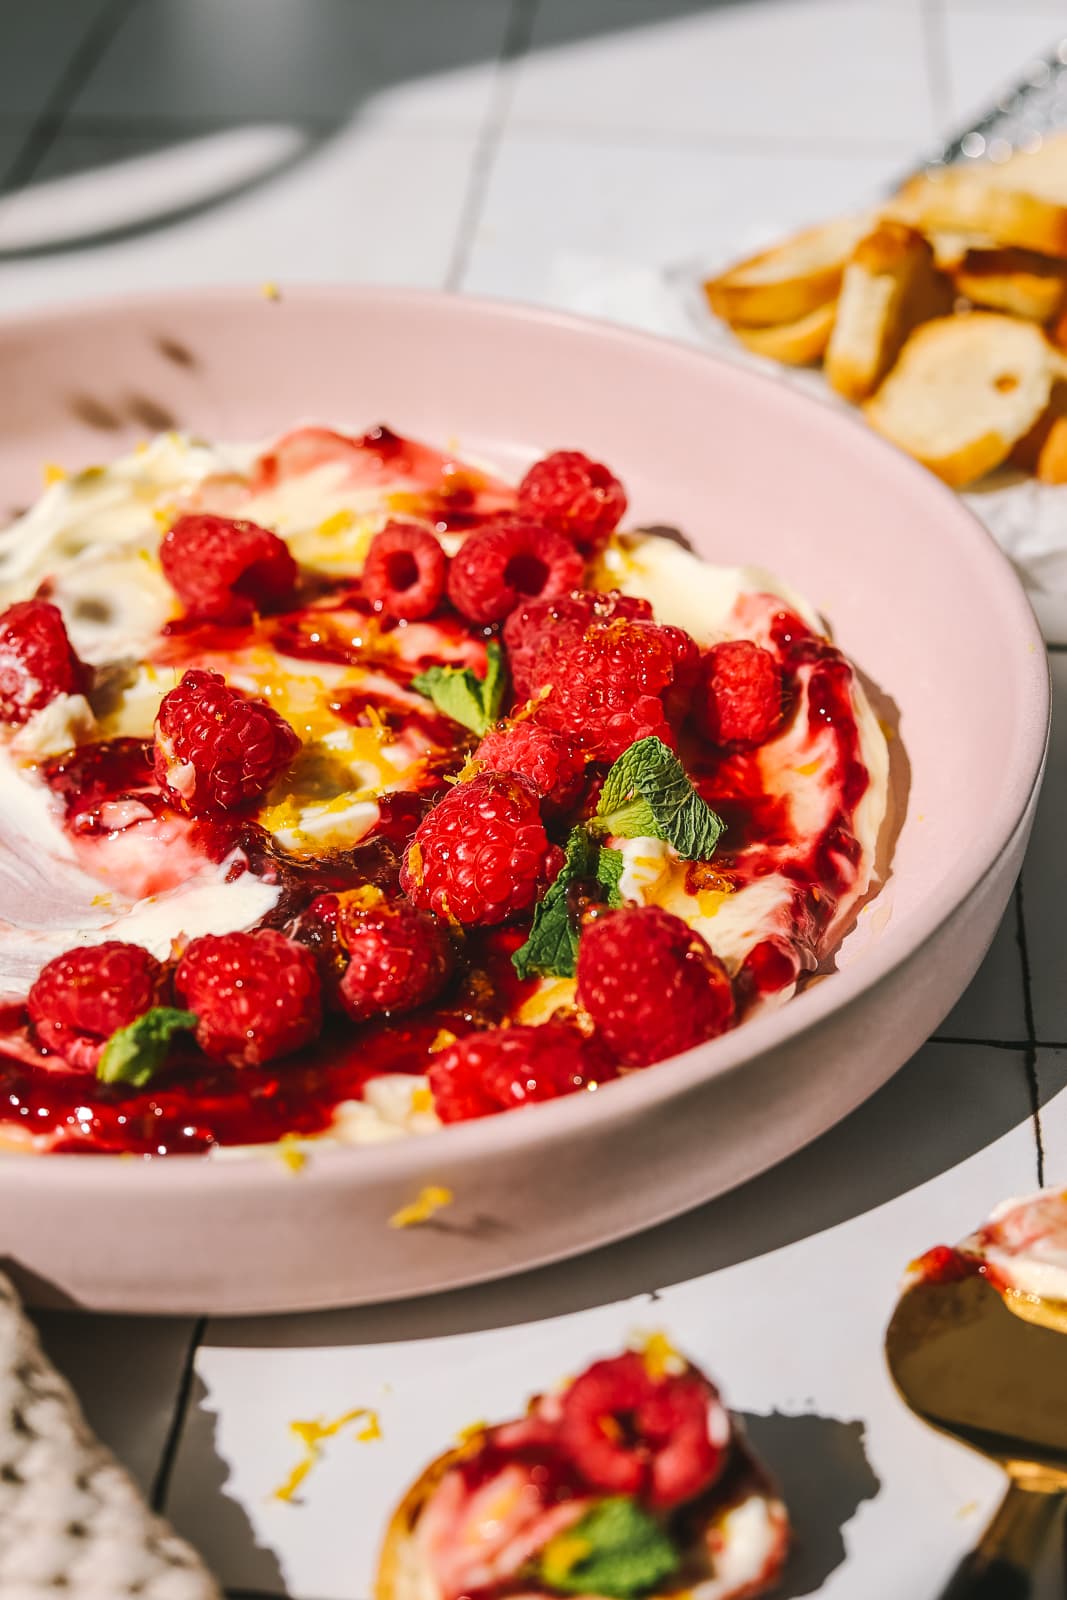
[609,865]
[552,946]
[617,1549]
[136,1053]
[459,693]
[648,794]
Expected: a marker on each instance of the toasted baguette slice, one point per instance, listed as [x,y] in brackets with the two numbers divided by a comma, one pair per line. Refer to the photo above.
[890,285]
[1042,171]
[1020,282]
[984,200]
[964,390]
[950,248]
[796,344]
[747,1501]
[788,282]
[1043,451]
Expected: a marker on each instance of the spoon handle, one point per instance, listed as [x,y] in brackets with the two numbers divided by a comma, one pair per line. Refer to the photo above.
[1000,1565]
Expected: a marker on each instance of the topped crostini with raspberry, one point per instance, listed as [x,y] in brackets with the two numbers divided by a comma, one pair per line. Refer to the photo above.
[351,789]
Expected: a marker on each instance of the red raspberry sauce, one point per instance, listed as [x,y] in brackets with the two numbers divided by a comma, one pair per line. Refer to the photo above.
[193,1105]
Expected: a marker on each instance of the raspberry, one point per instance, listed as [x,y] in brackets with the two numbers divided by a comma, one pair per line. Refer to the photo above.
[398,957]
[81,997]
[225,571]
[216,750]
[539,633]
[651,984]
[506,559]
[257,996]
[574,495]
[551,761]
[404,573]
[615,686]
[630,1433]
[740,697]
[481,854]
[36,659]
[508,1067]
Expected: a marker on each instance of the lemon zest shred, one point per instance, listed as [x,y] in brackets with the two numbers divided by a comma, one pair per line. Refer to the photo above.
[52,472]
[443,1039]
[421,1100]
[270,290]
[290,1153]
[659,1355]
[311,1435]
[427,1203]
[339,522]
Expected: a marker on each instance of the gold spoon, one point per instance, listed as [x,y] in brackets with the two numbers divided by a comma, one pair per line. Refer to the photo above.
[991,1369]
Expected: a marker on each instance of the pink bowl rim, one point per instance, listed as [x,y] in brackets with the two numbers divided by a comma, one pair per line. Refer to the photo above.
[1024,653]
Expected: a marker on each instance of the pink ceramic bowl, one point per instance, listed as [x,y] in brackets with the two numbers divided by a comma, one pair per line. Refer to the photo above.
[918,594]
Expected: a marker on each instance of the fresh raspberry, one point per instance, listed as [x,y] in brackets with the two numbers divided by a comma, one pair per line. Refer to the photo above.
[481,854]
[552,761]
[663,1439]
[739,701]
[82,996]
[398,956]
[620,684]
[225,571]
[37,661]
[508,1067]
[507,559]
[216,750]
[257,996]
[651,984]
[574,495]
[404,573]
[539,633]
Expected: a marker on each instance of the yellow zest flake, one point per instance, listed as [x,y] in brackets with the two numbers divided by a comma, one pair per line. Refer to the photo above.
[457,479]
[568,1551]
[270,290]
[102,900]
[366,898]
[311,1436]
[414,863]
[442,1040]
[427,1203]
[421,1099]
[407,500]
[52,472]
[163,516]
[290,1153]
[339,522]
[286,814]
[610,1428]
[808,770]
[472,1434]
[470,769]
[446,910]
[660,1357]
[379,727]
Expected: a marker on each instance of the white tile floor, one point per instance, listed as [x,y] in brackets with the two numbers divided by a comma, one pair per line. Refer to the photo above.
[479,143]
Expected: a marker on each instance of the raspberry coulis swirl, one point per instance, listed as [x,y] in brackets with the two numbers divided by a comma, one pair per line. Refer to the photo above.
[404,857]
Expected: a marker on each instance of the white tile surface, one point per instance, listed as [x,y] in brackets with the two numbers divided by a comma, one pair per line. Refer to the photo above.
[365,204]
[988,47]
[38,40]
[1045,877]
[816,1247]
[647,203]
[404,62]
[770,69]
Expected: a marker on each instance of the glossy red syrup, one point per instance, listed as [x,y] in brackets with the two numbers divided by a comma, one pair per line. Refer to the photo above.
[109,787]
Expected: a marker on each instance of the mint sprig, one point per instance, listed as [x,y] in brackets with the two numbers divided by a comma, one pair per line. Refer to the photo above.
[648,794]
[459,693]
[617,1550]
[551,948]
[135,1054]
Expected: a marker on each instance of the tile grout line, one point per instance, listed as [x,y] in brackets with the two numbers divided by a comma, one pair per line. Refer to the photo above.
[516,43]
[161,1482]
[1030,1055]
[45,128]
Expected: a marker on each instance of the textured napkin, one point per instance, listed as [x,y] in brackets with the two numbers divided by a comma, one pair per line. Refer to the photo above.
[71,1520]
[1028,519]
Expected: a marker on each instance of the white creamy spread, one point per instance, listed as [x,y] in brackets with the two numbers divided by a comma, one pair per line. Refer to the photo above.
[95,536]
[1025,1242]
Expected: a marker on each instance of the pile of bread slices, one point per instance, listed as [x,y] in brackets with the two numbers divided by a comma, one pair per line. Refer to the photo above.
[943,314]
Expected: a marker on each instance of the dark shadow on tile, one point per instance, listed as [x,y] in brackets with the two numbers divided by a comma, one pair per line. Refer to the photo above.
[820,1465]
[212,1521]
[947,1103]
